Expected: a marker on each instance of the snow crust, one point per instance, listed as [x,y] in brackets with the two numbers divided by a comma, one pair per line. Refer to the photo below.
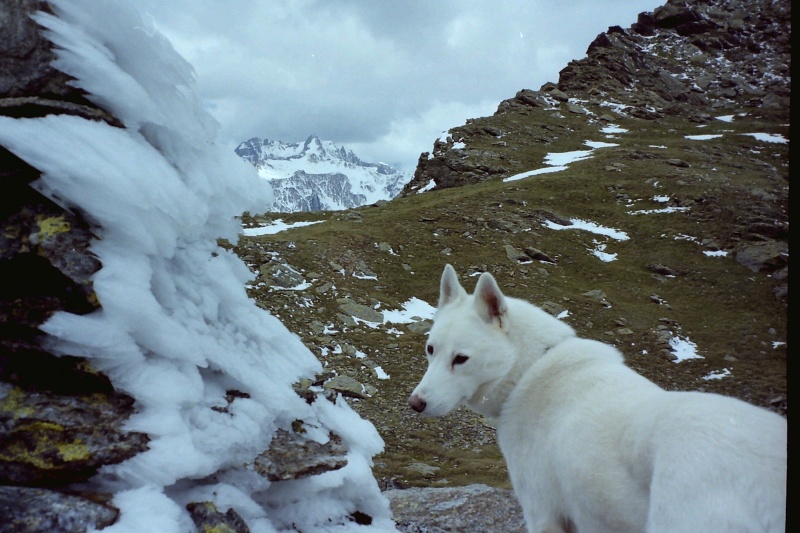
[176,329]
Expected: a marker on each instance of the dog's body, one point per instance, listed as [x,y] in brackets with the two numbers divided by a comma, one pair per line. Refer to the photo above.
[590,444]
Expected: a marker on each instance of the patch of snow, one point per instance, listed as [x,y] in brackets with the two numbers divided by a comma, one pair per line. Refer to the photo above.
[599,144]
[705,137]
[717,374]
[560,159]
[600,253]
[276,227]
[522,175]
[591,227]
[684,349]
[410,311]
[768,137]
[612,129]
[431,184]
[715,253]
[671,209]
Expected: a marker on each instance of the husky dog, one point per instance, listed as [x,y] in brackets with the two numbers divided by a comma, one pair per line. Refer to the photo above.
[592,446]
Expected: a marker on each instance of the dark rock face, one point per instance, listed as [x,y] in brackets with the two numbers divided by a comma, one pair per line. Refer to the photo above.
[60,420]
[52,439]
[29,85]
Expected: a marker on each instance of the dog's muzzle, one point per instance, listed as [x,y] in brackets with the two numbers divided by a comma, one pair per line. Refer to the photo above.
[417,403]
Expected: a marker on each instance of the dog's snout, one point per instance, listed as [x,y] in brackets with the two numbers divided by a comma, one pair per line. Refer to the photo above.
[417,403]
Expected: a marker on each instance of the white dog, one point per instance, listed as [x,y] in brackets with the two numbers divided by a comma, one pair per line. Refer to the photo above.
[592,446]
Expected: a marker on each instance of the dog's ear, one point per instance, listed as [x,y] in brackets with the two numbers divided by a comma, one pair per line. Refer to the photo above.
[450,289]
[489,300]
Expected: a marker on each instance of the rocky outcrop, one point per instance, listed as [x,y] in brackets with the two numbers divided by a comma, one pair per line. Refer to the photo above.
[60,420]
[29,85]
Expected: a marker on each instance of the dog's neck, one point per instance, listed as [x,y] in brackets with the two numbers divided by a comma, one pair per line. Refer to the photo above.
[490,397]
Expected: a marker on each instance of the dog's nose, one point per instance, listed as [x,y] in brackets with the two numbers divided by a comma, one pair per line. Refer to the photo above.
[417,403]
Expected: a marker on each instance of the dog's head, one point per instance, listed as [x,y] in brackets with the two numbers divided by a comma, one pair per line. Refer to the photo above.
[468,348]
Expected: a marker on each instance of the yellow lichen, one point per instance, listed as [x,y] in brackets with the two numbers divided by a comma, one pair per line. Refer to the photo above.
[219,528]
[51,226]
[46,436]
[13,403]
[73,451]
[11,232]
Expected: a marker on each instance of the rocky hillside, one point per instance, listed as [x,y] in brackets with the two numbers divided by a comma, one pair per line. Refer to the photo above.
[643,197]
[686,60]
[316,175]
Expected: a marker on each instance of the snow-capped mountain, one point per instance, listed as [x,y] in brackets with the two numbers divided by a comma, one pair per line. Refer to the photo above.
[316,175]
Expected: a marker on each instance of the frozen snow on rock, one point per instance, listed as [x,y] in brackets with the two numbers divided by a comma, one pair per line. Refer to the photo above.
[176,329]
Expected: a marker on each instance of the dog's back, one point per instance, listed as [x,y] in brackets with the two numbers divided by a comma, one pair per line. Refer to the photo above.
[589,441]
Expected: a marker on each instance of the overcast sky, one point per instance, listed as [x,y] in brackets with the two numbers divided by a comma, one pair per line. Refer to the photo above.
[383,78]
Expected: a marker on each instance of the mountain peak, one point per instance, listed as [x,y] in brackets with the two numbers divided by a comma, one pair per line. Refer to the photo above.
[317,174]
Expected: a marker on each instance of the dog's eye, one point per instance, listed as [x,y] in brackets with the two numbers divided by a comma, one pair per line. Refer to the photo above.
[429,349]
[460,359]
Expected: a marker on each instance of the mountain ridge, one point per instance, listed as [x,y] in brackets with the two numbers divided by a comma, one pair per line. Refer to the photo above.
[319,175]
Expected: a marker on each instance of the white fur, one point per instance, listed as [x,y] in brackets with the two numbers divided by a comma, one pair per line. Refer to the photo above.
[592,446]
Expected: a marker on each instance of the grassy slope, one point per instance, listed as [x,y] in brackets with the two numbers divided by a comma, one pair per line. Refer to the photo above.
[730,312]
